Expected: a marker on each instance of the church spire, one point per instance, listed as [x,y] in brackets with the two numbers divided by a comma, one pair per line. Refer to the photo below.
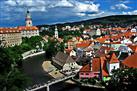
[56,32]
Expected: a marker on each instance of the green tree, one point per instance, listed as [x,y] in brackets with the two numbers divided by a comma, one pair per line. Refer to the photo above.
[123,80]
[51,48]
[11,76]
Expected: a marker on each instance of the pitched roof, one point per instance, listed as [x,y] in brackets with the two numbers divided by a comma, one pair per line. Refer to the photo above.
[131,61]
[101,51]
[133,47]
[86,68]
[27,28]
[104,66]
[113,59]
[96,64]
[62,58]
[83,44]
[8,30]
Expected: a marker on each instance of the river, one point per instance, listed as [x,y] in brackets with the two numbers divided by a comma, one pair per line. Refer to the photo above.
[33,68]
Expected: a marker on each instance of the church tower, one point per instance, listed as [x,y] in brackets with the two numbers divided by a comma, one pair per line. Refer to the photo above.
[28,19]
[56,33]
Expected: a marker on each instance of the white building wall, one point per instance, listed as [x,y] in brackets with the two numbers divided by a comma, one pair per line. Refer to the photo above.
[70,66]
[29,33]
[113,66]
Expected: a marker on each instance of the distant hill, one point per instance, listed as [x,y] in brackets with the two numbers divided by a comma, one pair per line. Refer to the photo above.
[114,19]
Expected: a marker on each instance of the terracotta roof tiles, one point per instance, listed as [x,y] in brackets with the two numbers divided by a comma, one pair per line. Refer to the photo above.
[86,68]
[113,59]
[131,61]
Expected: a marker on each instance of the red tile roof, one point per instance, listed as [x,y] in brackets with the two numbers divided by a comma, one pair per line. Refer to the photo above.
[96,64]
[133,47]
[83,44]
[131,61]
[86,68]
[104,66]
[8,30]
[27,28]
[101,51]
[113,59]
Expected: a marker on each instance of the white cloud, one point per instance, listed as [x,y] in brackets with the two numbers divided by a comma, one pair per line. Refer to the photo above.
[130,13]
[21,5]
[40,8]
[81,14]
[124,1]
[120,7]
[98,14]
[63,3]
[11,2]
[85,7]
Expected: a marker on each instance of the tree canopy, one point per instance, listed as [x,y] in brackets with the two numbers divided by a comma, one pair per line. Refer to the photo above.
[11,76]
[123,80]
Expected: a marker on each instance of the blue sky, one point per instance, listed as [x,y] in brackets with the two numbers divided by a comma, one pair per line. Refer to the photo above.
[12,12]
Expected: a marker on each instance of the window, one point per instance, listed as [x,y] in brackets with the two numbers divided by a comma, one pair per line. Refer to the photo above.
[82,74]
[87,73]
[114,67]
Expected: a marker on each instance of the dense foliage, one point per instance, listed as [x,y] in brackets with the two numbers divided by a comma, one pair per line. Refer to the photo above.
[62,34]
[11,75]
[123,80]
[52,47]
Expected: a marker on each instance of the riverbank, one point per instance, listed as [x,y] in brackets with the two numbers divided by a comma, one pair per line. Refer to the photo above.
[33,54]
[51,69]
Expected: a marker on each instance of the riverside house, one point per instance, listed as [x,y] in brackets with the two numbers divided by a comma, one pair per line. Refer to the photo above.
[65,63]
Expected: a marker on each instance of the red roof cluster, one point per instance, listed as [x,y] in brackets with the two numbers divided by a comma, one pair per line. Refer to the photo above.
[116,37]
[102,62]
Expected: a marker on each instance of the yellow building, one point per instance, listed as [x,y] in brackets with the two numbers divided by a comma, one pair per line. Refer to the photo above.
[10,37]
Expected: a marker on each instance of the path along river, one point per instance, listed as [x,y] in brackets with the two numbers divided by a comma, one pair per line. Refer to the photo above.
[33,68]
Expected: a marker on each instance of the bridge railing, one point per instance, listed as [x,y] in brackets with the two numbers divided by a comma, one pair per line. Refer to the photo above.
[50,82]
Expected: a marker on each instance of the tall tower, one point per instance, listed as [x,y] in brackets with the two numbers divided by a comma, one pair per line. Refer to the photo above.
[28,19]
[56,32]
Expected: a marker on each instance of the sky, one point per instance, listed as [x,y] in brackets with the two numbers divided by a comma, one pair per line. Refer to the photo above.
[12,12]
